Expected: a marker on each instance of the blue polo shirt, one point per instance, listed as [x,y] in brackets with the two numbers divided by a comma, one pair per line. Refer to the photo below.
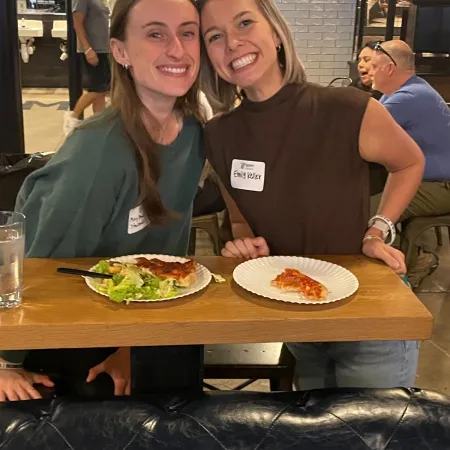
[425,116]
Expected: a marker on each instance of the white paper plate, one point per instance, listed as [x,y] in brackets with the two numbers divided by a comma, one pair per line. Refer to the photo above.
[203,276]
[256,276]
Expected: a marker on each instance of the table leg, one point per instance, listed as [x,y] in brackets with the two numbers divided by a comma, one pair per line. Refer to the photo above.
[165,369]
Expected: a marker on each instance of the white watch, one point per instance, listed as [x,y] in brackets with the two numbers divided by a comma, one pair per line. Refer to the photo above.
[385,225]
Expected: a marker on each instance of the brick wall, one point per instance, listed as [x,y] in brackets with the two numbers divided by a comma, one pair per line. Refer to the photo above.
[323,31]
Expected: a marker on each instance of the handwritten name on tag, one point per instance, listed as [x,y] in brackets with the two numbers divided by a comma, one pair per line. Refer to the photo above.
[248,175]
[137,220]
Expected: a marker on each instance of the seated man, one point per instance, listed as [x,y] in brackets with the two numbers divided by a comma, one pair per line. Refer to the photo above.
[425,116]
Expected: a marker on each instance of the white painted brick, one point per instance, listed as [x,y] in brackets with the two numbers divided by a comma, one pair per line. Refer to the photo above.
[310,21]
[346,22]
[326,79]
[336,51]
[336,36]
[323,32]
[321,44]
[347,57]
[346,14]
[345,43]
[333,65]
[314,72]
[341,72]
[339,7]
[312,64]
[323,14]
[309,36]
[320,57]
[286,6]
[301,43]
[295,14]
[309,7]
[322,29]
[344,29]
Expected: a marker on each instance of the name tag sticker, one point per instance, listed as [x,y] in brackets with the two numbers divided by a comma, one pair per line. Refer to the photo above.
[137,220]
[248,175]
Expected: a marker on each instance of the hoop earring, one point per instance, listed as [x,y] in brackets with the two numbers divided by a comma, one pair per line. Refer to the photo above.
[279,48]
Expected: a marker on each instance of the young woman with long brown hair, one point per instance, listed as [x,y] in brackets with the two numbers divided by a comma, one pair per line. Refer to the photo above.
[124,182]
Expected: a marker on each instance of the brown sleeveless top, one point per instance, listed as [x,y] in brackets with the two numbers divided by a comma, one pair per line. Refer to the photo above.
[292,165]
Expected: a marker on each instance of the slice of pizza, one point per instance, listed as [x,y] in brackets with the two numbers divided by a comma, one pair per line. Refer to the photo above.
[184,274]
[292,280]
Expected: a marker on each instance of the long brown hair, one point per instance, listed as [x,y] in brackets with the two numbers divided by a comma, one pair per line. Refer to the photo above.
[222,95]
[125,100]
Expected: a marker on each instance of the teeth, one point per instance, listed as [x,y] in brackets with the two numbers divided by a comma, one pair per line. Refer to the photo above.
[173,69]
[242,62]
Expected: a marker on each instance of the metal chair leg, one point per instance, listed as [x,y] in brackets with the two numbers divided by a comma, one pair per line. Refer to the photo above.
[438,232]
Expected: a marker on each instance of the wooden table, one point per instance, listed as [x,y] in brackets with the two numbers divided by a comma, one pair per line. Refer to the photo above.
[60,311]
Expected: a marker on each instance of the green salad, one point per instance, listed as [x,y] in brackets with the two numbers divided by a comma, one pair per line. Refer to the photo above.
[129,283]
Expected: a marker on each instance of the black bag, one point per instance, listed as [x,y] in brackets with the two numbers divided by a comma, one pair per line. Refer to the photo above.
[13,171]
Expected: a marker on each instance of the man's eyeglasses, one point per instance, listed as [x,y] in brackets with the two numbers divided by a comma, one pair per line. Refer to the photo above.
[379,48]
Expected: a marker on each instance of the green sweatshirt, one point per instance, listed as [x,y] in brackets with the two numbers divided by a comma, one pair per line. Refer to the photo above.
[84,202]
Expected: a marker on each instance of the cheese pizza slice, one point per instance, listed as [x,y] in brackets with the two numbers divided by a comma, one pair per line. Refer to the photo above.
[184,274]
[292,280]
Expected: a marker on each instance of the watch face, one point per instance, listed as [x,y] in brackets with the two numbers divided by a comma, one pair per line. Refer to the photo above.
[383,227]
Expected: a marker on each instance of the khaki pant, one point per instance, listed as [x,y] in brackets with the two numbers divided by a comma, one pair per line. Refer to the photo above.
[432,199]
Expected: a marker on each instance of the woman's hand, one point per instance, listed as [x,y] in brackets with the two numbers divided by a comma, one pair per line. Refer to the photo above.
[394,258]
[17,384]
[118,367]
[248,248]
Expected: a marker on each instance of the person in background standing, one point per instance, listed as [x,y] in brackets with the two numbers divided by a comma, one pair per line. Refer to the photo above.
[91,23]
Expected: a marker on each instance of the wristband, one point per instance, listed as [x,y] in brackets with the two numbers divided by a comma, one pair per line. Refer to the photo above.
[8,365]
[369,237]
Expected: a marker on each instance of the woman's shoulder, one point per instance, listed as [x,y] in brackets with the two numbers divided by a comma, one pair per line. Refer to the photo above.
[99,138]
[337,97]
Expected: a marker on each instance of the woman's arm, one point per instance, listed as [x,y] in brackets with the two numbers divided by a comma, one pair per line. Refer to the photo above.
[382,141]
[239,226]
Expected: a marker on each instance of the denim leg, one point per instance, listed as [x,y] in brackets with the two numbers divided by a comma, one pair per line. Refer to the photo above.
[375,364]
[314,368]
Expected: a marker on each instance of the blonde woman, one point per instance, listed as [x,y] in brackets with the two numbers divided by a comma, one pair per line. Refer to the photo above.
[115,185]
[306,149]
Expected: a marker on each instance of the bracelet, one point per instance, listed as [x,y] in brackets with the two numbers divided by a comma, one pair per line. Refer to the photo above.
[392,232]
[88,50]
[369,237]
[7,365]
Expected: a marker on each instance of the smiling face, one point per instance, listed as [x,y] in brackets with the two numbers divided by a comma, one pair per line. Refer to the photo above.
[365,65]
[161,46]
[242,45]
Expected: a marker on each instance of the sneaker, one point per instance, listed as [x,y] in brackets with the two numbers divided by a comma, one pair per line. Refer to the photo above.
[425,265]
[70,122]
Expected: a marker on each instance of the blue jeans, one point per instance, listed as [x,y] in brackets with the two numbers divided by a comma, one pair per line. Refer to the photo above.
[365,364]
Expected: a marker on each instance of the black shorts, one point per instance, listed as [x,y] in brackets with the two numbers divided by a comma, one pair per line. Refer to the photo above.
[97,78]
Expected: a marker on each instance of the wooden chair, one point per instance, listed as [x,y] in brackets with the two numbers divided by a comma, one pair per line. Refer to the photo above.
[210,224]
[251,362]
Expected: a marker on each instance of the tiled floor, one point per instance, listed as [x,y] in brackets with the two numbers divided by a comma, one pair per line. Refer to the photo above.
[43,132]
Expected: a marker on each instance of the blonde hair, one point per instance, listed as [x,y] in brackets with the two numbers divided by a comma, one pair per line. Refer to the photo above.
[222,95]
[126,102]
